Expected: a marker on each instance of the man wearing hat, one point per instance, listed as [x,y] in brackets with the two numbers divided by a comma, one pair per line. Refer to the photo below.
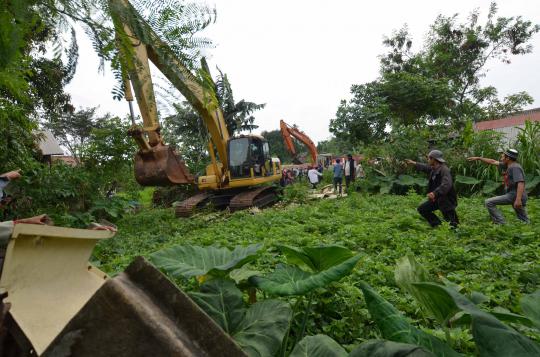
[441,193]
[514,184]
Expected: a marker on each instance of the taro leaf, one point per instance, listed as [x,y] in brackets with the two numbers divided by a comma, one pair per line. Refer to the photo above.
[259,330]
[187,260]
[421,181]
[531,184]
[316,258]
[530,305]
[318,346]
[222,301]
[385,188]
[490,187]
[408,272]
[492,337]
[405,180]
[263,328]
[243,273]
[383,348]
[467,180]
[478,298]
[464,319]
[396,328]
[287,280]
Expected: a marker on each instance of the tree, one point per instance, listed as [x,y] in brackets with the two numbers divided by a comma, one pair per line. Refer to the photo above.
[73,129]
[186,130]
[277,146]
[237,115]
[441,82]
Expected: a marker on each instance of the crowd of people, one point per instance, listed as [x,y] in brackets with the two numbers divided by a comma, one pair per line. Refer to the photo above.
[441,194]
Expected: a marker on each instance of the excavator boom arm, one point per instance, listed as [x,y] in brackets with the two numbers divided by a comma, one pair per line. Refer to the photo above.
[138,43]
[288,132]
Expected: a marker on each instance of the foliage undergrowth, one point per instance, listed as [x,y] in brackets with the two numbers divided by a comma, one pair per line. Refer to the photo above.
[502,262]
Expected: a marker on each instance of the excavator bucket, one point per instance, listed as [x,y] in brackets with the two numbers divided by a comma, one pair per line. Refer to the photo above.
[161,166]
[59,305]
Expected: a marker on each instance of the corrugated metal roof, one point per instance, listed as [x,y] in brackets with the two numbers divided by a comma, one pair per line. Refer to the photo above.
[48,144]
[510,121]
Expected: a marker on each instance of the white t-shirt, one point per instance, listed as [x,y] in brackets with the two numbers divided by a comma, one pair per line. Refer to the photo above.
[348,167]
[313,175]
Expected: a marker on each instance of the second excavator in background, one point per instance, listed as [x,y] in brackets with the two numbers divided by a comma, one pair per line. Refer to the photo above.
[241,171]
[289,132]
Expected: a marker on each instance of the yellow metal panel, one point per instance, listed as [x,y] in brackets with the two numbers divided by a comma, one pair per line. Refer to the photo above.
[48,278]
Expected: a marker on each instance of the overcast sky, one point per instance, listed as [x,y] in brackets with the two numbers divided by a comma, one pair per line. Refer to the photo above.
[301,57]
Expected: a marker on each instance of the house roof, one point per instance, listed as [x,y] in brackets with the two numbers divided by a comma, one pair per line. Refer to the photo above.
[48,144]
[515,119]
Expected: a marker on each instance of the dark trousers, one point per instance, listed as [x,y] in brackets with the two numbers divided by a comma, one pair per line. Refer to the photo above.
[427,208]
[314,185]
[348,180]
[338,182]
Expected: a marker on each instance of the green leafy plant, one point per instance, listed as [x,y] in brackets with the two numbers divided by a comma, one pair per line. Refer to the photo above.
[189,261]
[258,329]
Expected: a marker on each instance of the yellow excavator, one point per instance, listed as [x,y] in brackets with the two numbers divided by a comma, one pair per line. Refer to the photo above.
[241,168]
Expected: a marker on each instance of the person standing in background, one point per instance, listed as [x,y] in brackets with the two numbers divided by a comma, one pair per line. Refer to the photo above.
[338,175]
[350,170]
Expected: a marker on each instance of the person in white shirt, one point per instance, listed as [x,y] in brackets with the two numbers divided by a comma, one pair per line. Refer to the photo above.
[313,176]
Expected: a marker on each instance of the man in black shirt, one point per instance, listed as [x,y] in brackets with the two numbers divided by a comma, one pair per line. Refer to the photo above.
[441,193]
[514,183]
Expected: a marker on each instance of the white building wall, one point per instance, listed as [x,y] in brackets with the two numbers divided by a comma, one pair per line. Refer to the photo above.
[510,133]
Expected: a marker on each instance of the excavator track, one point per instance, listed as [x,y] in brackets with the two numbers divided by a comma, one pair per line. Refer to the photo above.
[187,207]
[257,197]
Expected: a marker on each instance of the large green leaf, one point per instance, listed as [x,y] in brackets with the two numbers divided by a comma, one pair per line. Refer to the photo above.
[187,260]
[467,180]
[222,301]
[396,328]
[492,337]
[383,348]
[263,328]
[490,187]
[408,272]
[532,183]
[287,280]
[405,180]
[316,258]
[259,330]
[530,305]
[318,346]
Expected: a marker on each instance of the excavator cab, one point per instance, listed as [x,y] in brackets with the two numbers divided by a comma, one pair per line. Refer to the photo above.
[249,155]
